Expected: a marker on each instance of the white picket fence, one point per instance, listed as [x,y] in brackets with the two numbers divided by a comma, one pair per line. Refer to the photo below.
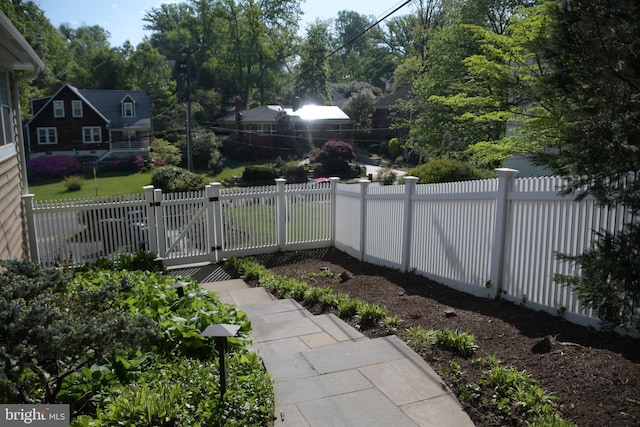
[496,237]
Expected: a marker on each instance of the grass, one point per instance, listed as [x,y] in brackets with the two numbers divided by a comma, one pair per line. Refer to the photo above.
[112,183]
[107,184]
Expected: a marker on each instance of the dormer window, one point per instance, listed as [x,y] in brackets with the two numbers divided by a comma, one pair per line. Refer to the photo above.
[128,107]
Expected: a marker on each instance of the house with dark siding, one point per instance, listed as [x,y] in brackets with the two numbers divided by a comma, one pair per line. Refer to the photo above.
[93,123]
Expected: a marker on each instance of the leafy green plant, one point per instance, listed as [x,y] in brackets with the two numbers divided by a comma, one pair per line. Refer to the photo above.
[609,278]
[370,315]
[461,343]
[314,294]
[73,182]
[445,170]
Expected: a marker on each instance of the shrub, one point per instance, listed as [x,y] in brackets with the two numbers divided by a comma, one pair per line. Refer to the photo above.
[163,149]
[386,176]
[136,163]
[54,166]
[445,170]
[394,148]
[162,176]
[73,183]
[336,155]
[173,179]
[260,174]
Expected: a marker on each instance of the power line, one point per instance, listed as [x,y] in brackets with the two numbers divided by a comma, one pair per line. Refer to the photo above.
[351,40]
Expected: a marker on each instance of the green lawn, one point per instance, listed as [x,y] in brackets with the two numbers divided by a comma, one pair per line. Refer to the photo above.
[105,185]
[113,183]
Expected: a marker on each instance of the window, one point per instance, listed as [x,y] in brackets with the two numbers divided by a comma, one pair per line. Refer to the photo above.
[47,135]
[265,129]
[91,135]
[58,108]
[337,128]
[6,123]
[76,106]
[127,109]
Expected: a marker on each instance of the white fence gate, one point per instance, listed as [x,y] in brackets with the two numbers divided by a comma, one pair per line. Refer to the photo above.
[183,228]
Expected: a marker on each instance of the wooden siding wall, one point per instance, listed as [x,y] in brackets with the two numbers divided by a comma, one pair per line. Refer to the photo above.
[12,231]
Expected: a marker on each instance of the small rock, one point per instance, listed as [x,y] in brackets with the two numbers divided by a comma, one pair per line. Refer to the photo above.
[345,275]
[450,313]
[543,346]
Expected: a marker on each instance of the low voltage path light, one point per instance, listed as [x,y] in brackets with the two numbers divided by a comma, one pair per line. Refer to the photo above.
[220,333]
[179,286]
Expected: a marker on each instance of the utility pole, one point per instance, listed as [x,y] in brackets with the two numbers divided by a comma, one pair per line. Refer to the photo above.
[188,98]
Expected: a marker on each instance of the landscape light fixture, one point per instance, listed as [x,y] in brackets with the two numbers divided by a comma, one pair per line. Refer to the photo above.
[179,286]
[220,332]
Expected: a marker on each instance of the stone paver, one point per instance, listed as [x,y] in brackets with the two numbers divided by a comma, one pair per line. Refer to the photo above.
[326,373]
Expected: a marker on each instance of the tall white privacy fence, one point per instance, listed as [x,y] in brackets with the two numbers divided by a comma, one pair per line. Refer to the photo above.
[496,237]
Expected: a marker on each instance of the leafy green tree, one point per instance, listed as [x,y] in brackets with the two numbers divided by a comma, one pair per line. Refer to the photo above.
[163,152]
[595,83]
[312,76]
[360,108]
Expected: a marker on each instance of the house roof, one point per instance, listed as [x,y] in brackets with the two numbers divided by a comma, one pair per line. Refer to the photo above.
[107,104]
[15,52]
[390,100]
[306,113]
[310,113]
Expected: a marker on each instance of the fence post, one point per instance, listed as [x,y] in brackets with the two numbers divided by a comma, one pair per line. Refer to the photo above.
[31,227]
[214,215]
[505,180]
[151,219]
[334,184]
[281,213]
[162,232]
[364,186]
[407,228]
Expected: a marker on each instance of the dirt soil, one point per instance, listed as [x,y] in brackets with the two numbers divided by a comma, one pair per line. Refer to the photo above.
[596,378]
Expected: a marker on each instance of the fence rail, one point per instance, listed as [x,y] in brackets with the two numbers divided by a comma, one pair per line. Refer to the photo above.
[490,238]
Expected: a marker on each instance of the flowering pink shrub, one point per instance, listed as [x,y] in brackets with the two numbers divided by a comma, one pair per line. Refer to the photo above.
[137,162]
[53,166]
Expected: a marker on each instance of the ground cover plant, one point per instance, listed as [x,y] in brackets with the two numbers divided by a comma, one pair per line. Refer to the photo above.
[508,365]
[122,348]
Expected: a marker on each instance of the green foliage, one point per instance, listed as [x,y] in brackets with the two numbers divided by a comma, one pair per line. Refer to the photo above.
[69,327]
[364,314]
[516,396]
[445,170]
[173,179]
[360,108]
[386,176]
[164,153]
[394,148]
[123,348]
[607,277]
[73,183]
[461,343]
[203,147]
[260,174]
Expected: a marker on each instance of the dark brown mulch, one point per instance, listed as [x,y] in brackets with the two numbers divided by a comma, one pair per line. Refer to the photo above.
[596,379]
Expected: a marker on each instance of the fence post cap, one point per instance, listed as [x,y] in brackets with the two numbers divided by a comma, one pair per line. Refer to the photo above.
[506,172]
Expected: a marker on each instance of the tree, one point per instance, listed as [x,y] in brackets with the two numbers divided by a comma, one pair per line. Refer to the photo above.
[360,108]
[595,83]
[312,76]
[336,155]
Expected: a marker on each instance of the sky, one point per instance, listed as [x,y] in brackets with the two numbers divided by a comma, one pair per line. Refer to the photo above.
[123,19]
